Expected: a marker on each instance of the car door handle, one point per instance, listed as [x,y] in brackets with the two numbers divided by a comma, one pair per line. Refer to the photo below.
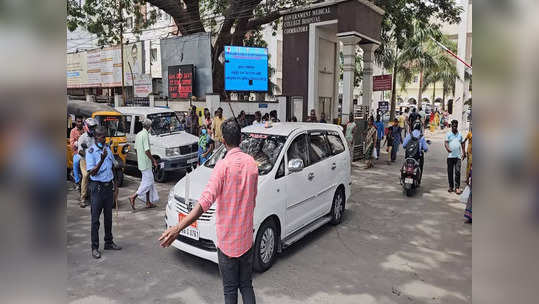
[333,166]
[311,176]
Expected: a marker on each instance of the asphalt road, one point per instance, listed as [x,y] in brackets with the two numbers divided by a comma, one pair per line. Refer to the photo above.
[389,249]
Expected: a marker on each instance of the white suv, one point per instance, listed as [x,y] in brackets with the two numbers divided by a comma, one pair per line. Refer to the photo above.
[304,183]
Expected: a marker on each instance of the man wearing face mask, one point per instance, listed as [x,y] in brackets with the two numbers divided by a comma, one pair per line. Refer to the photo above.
[205,146]
[85,141]
[99,161]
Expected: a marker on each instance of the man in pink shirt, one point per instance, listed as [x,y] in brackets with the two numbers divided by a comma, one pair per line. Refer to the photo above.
[76,132]
[233,185]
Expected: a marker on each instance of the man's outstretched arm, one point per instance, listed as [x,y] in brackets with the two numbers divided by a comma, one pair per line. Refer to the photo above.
[171,233]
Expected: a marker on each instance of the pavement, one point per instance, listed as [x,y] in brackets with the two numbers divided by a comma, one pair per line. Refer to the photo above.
[389,249]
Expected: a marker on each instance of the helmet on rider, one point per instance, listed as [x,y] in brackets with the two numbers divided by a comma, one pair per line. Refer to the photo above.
[89,125]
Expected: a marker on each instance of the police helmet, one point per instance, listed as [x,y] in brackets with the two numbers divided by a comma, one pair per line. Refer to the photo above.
[90,122]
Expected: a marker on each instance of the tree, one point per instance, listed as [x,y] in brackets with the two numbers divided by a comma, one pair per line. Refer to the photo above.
[445,69]
[229,21]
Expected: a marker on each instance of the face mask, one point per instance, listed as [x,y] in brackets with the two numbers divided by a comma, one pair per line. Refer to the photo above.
[204,131]
[99,145]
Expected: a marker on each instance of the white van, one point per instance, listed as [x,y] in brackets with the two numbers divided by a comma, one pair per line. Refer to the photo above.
[173,148]
[304,183]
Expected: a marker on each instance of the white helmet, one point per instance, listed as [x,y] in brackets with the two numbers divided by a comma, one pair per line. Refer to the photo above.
[90,122]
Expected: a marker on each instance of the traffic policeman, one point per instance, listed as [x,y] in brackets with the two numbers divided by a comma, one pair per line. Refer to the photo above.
[99,162]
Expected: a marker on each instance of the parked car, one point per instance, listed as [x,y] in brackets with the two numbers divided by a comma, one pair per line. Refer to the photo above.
[304,183]
[173,148]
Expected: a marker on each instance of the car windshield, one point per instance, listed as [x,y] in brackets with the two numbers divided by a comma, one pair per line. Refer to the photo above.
[163,123]
[115,124]
[265,149]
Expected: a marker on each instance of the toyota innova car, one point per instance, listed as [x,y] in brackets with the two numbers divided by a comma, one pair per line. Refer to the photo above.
[304,182]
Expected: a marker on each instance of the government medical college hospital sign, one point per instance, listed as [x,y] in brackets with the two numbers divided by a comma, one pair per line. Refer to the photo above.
[299,22]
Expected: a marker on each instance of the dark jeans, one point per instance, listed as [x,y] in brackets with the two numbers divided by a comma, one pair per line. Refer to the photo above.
[378,148]
[453,169]
[237,273]
[102,198]
[394,150]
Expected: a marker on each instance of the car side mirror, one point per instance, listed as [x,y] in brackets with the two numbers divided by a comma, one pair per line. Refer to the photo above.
[295,165]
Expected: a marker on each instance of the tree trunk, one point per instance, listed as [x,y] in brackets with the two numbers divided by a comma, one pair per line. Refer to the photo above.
[420,94]
[393,94]
[433,93]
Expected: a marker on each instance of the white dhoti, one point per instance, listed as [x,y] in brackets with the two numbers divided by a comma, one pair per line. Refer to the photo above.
[147,184]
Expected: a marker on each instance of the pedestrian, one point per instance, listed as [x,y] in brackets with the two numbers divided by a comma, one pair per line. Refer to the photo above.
[312,118]
[217,122]
[258,119]
[454,144]
[242,120]
[323,118]
[145,160]
[265,118]
[469,151]
[205,146]
[99,159]
[422,116]
[412,118]
[402,124]
[350,133]
[294,119]
[207,120]
[370,143]
[407,126]
[468,211]
[192,121]
[396,139]
[380,134]
[233,187]
[85,141]
[273,116]
[74,136]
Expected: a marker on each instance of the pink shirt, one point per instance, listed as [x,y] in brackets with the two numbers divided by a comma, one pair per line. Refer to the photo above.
[233,185]
[73,137]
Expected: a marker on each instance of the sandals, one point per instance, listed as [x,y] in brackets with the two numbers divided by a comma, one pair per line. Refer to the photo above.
[150,206]
[458,191]
[450,190]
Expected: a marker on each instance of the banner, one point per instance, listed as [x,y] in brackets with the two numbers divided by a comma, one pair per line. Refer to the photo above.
[76,70]
[94,67]
[133,61]
[143,85]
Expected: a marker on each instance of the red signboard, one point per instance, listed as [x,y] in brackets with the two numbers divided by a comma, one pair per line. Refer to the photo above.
[381,83]
[180,81]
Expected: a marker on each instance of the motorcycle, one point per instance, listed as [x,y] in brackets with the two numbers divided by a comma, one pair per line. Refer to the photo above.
[411,174]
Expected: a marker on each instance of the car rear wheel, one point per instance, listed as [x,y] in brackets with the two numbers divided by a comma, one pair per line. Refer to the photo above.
[265,246]
[337,209]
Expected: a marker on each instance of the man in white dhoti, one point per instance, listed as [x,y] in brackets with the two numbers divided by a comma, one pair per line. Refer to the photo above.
[145,161]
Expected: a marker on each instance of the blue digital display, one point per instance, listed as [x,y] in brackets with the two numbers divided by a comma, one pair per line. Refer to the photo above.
[246,69]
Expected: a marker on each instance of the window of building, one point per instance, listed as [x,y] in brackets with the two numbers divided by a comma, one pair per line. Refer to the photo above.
[153,55]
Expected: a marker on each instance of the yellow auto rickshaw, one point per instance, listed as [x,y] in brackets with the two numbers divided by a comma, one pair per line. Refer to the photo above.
[105,116]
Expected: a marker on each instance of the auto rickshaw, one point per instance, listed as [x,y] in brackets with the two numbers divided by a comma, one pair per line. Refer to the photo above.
[105,116]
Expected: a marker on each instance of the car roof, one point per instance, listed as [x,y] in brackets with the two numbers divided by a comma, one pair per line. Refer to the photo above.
[286,128]
[143,110]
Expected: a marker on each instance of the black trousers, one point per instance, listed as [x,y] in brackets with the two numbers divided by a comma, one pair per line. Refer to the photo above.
[102,198]
[453,170]
[237,274]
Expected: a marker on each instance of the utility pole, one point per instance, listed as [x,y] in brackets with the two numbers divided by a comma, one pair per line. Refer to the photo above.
[120,8]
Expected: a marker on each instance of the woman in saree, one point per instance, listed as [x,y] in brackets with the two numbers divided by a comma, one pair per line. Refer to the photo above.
[370,143]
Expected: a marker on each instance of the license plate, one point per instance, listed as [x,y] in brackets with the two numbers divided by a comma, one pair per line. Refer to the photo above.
[408,180]
[191,231]
[192,160]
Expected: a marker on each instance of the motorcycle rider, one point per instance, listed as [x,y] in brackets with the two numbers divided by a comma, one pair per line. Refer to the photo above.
[417,138]
[85,141]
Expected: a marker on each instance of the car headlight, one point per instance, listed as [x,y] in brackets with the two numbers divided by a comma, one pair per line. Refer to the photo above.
[125,149]
[172,151]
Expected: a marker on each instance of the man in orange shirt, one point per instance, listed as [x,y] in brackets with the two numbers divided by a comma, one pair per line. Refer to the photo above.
[73,139]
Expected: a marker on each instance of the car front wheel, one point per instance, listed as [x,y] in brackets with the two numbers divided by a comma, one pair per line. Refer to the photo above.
[265,246]
[337,209]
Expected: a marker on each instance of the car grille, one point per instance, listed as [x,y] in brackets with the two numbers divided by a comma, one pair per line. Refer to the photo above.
[203,244]
[188,149]
[181,206]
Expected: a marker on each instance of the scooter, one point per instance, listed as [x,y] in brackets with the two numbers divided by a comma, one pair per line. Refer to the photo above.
[410,175]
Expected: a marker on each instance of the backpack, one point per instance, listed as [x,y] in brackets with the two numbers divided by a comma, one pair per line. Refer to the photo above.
[412,148]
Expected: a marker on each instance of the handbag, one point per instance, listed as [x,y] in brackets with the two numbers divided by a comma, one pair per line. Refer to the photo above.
[464,195]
